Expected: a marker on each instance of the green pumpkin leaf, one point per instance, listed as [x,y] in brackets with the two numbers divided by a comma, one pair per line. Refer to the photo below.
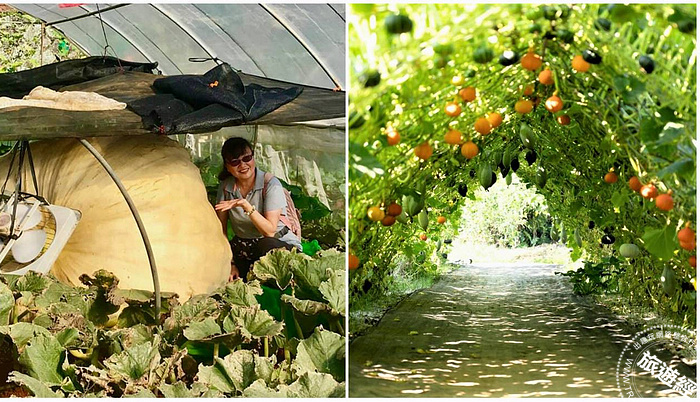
[7,303]
[620,198]
[322,352]
[177,390]
[202,329]
[259,389]
[683,167]
[42,358]
[278,266]
[307,307]
[333,290]
[650,130]
[362,163]
[22,332]
[30,282]
[38,388]
[253,322]
[315,385]
[235,372]
[670,133]
[660,242]
[135,361]
[241,293]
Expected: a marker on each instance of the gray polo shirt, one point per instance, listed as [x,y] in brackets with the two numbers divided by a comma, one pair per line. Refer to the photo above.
[273,199]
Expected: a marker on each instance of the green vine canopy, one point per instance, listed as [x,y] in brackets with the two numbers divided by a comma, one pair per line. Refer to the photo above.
[592,105]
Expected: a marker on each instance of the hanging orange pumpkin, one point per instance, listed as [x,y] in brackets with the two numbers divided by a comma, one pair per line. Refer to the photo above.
[523,106]
[453,137]
[482,126]
[469,150]
[423,151]
[554,104]
[546,77]
[531,61]
[579,64]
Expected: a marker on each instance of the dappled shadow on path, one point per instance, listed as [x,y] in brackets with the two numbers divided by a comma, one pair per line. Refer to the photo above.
[492,331]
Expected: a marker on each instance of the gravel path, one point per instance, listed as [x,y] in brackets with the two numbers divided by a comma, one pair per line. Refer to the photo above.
[500,330]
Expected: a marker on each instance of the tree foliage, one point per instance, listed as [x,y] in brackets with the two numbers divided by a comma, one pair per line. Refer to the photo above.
[623,119]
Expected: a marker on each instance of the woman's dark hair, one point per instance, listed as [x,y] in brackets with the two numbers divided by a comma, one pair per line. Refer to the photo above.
[233,148]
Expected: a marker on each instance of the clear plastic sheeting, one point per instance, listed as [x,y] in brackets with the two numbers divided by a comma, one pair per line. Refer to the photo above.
[312,158]
[299,43]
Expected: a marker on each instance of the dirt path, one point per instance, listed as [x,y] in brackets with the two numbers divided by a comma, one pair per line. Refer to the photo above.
[505,330]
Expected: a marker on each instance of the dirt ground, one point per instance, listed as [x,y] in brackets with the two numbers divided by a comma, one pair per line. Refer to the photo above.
[495,330]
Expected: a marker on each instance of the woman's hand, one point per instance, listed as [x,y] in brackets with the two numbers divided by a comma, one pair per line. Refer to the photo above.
[234,273]
[230,204]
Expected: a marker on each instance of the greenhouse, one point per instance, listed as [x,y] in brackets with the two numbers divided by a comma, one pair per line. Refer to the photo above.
[114,267]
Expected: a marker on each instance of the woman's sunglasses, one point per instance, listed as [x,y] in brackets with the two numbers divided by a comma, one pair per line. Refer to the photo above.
[236,162]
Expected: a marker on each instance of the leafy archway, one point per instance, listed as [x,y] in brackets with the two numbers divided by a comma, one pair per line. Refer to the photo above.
[588,103]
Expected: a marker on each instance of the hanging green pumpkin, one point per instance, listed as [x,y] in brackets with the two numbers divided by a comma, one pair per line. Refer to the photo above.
[668,280]
[397,24]
[483,54]
[485,176]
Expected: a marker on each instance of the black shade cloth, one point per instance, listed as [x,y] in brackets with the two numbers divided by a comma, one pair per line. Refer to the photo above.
[199,103]
[313,104]
[57,75]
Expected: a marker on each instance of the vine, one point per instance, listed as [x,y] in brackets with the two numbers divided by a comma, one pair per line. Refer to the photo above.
[620,118]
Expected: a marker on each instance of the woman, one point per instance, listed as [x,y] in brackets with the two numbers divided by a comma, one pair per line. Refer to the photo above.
[253,207]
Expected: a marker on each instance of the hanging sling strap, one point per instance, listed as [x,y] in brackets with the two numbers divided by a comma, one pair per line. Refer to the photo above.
[18,194]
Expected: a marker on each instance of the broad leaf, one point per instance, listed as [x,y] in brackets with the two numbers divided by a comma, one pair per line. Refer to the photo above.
[313,272]
[136,314]
[622,13]
[235,372]
[42,358]
[685,166]
[253,322]
[177,390]
[333,290]
[307,307]
[309,385]
[195,309]
[322,352]
[363,163]
[241,293]
[59,292]
[22,332]
[619,199]
[135,361]
[264,368]
[259,389]
[121,296]
[670,133]
[660,242]
[38,388]
[215,376]
[7,303]
[650,130]
[30,282]
[206,392]
[67,336]
[278,266]
[202,329]
[315,385]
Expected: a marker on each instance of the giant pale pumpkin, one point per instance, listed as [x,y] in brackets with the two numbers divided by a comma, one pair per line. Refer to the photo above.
[191,253]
